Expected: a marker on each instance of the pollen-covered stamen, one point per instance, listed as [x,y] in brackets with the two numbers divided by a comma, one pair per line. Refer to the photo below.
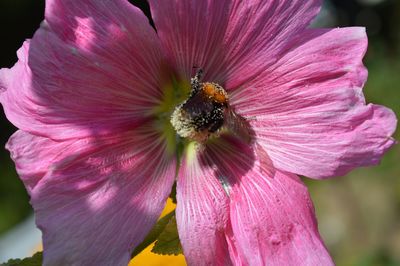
[203,113]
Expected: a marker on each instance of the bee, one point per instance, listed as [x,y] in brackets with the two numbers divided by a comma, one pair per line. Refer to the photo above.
[207,112]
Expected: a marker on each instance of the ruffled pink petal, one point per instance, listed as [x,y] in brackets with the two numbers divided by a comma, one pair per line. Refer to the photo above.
[309,112]
[202,214]
[4,76]
[95,199]
[33,156]
[226,37]
[93,67]
[271,213]
[274,222]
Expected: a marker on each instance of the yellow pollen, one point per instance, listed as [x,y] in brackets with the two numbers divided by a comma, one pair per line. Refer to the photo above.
[214,92]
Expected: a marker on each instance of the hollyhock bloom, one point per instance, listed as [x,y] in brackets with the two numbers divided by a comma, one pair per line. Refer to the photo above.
[93,94]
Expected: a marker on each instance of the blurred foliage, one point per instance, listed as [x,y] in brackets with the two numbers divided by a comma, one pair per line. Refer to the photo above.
[35,260]
[359,215]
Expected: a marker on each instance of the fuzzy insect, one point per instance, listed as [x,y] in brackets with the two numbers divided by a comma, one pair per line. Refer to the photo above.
[207,112]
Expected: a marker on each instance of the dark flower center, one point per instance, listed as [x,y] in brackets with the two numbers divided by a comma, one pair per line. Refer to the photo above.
[203,113]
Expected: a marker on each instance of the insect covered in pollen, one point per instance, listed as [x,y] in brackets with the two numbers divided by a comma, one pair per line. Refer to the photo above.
[207,112]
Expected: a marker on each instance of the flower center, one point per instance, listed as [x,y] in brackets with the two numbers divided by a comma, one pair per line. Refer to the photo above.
[203,113]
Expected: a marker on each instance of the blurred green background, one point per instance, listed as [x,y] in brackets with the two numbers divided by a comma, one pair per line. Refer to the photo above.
[359,214]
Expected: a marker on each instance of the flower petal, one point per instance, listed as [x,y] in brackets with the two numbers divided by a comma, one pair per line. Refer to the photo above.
[272,216]
[4,79]
[33,156]
[93,67]
[308,111]
[223,37]
[202,214]
[95,199]
[274,223]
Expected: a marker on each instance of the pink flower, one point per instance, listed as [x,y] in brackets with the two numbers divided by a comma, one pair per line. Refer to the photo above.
[93,92]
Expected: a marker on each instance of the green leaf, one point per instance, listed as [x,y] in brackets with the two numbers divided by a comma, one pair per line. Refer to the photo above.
[154,233]
[168,242]
[35,260]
